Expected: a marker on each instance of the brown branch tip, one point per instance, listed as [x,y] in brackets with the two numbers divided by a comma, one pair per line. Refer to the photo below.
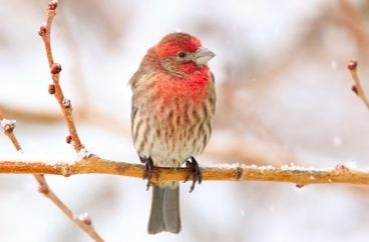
[352,65]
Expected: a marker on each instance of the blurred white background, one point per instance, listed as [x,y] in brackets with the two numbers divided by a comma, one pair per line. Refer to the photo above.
[283,97]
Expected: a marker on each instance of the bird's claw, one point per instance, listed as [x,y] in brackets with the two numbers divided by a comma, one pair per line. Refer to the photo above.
[149,170]
[195,172]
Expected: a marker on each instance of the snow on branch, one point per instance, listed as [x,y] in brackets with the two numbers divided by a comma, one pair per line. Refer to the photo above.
[292,174]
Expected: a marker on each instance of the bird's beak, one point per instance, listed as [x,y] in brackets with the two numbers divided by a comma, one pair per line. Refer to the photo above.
[203,55]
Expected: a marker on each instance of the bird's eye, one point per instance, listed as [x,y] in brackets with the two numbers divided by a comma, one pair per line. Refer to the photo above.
[181,54]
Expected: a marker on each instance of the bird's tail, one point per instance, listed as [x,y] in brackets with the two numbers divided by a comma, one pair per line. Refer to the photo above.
[164,214]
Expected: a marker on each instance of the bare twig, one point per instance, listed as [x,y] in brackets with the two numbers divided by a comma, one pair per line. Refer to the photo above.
[55,69]
[357,87]
[8,127]
[84,223]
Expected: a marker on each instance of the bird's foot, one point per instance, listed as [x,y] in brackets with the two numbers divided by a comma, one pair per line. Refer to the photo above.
[149,170]
[195,172]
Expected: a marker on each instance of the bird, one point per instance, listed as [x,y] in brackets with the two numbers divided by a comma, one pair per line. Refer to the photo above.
[173,105]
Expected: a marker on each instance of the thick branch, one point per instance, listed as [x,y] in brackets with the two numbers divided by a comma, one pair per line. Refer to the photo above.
[298,175]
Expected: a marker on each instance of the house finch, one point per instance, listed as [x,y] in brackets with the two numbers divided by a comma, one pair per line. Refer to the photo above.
[173,104]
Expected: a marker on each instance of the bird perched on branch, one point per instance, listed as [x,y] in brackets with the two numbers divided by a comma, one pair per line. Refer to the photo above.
[173,104]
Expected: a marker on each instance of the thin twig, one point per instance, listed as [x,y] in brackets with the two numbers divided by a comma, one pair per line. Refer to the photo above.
[55,69]
[8,127]
[83,222]
[357,87]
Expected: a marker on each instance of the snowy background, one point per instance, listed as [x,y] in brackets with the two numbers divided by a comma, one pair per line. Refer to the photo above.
[283,97]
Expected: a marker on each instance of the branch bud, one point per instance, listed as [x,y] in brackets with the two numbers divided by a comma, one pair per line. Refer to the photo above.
[42,31]
[7,125]
[68,139]
[55,68]
[66,103]
[352,65]
[53,5]
[51,89]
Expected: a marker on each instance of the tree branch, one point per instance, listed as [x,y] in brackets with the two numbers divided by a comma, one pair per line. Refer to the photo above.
[298,175]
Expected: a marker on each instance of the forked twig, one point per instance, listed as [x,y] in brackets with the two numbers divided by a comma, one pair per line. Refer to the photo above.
[65,104]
